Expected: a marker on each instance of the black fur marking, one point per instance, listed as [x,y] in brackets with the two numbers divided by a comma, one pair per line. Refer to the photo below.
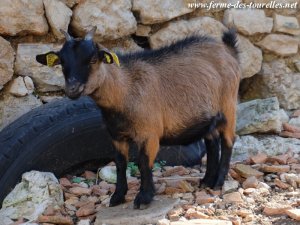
[156,56]
[230,39]
[117,124]
[226,152]
[147,190]
[121,188]
[195,132]
[213,153]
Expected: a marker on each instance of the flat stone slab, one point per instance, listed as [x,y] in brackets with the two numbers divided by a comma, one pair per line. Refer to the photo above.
[125,214]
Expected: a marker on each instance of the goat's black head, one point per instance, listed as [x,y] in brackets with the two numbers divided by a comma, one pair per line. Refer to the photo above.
[76,57]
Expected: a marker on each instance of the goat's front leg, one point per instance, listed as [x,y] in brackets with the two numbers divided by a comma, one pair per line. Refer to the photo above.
[121,163]
[147,155]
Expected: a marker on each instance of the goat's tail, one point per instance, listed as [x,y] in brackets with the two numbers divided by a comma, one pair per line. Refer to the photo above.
[230,39]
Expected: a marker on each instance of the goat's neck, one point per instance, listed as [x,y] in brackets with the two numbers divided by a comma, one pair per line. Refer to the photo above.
[111,88]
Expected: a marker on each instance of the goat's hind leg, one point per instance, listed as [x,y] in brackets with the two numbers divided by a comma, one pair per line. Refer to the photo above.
[212,151]
[147,155]
[121,163]
[226,152]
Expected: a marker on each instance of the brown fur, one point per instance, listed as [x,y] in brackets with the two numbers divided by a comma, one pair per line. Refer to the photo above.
[164,98]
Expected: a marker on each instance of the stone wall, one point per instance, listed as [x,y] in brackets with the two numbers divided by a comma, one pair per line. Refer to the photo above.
[268,43]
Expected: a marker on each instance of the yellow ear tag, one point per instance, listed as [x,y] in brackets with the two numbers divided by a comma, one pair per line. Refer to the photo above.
[51,58]
[108,60]
[116,59]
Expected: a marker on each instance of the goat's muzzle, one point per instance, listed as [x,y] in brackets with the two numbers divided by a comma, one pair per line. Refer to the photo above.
[74,90]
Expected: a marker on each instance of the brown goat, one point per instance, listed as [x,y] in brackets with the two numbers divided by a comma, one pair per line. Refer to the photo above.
[174,95]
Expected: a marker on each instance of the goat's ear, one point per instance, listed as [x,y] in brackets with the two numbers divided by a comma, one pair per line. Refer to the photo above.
[108,57]
[49,59]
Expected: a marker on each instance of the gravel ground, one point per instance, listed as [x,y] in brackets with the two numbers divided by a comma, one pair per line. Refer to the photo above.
[262,190]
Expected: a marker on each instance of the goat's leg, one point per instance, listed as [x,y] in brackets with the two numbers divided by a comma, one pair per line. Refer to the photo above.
[121,163]
[146,159]
[226,152]
[212,151]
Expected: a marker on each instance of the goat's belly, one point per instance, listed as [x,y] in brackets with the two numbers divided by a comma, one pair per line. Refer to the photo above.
[188,135]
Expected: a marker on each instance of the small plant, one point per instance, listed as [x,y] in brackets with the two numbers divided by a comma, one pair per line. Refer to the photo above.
[159,165]
[133,168]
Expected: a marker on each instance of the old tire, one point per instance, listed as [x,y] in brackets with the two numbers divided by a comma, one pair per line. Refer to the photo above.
[63,136]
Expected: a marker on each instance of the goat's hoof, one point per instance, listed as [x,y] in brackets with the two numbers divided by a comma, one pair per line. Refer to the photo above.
[143,198]
[116,199]
[205,183]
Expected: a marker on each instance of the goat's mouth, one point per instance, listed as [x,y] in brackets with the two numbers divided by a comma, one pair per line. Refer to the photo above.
[74,93]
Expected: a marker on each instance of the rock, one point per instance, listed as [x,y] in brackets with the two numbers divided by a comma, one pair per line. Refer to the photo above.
[260,158]
[65,182]
[248,21]
[7,57]
[163,222]
[178,30]
[29,20]
[89,175]
[250,57]
[45,78]
[80,191]
[57,219]
[275,79]
[297,65]
[275,168]
[230,186]
[18,87]
[234,197]
[293,179]
[173,190]
[143,30]
[32,196]
[262,185]
[296,113]
[86,210]
[295,122]
[250,182]
[29,84]
[72,201]
[151,12]
[280,184]
[290,127]
[176,170]
[109,174]
[107,186]
[70,3]
[271,145]
[203,198]
[279,44]
[84,222]
[281,159]
[260,116]
[58,16]
[202,222]
[293,213]
[47,99]
[113,19]
[175,213]
[272,209]
[187,187]
[124,214]
[12,107]
[286,24]
[193,214]
[249,191]
[247,171]
[244,213]
[289,134]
